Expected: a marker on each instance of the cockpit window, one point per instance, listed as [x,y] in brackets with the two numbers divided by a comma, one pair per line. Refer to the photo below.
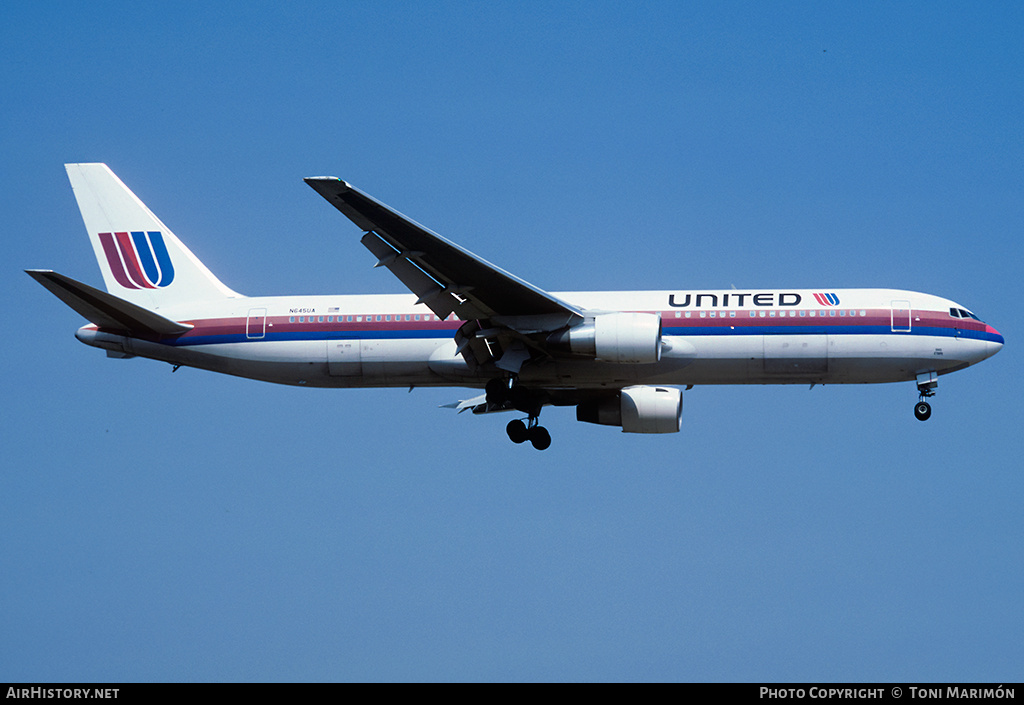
[962,313]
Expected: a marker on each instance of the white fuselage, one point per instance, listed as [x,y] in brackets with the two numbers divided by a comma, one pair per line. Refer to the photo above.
[708,337]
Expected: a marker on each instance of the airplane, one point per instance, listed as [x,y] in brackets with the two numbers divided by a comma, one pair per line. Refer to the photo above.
[619,357]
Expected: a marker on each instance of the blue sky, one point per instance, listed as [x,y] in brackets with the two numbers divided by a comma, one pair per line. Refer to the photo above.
[193,527]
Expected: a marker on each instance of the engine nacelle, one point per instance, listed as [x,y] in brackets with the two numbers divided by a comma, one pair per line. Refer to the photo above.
[633,338]
[639,409]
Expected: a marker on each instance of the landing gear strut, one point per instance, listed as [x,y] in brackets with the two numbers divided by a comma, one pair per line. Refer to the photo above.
[926,385]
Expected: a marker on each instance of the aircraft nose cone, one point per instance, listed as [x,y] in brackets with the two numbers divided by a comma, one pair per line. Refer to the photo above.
[993,341]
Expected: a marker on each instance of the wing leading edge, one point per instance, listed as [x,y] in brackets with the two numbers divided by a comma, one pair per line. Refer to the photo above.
[445,277]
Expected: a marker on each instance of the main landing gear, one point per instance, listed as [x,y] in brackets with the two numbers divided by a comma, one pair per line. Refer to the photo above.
[927,382]
[505,391]
[519,432]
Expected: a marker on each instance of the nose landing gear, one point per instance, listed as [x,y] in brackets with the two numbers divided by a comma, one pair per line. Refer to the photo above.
[927,382]
[922,410]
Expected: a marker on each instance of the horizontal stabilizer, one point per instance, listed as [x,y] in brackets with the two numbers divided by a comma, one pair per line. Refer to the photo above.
[106,310]
[464,404]
[478,405]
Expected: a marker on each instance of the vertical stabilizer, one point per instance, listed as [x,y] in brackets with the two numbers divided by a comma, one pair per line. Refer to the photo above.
[141,259]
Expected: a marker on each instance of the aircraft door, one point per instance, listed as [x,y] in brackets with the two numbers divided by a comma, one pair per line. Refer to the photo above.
[796,355]
[901,316]
[256,324]
[344,358]
[373,355]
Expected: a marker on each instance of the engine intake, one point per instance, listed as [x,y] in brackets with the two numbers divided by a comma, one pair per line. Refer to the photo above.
[638,409]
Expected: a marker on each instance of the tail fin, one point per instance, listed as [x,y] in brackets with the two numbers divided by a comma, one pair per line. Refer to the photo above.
[141,259]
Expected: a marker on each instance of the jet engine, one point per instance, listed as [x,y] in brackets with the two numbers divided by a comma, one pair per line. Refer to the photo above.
[615,337]
[638,409]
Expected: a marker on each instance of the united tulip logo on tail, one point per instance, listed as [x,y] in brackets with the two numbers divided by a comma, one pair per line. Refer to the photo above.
[138,260]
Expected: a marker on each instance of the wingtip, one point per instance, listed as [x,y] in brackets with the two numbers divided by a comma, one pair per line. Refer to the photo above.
[328,185]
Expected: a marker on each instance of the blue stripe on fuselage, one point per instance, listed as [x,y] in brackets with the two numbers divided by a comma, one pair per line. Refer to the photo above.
[938,331]
[435,334]
[703,331]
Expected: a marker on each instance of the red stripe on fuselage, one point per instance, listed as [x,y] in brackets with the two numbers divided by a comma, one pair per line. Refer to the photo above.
[742,320]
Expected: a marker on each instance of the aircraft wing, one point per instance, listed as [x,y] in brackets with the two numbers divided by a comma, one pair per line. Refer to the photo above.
[445,277]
